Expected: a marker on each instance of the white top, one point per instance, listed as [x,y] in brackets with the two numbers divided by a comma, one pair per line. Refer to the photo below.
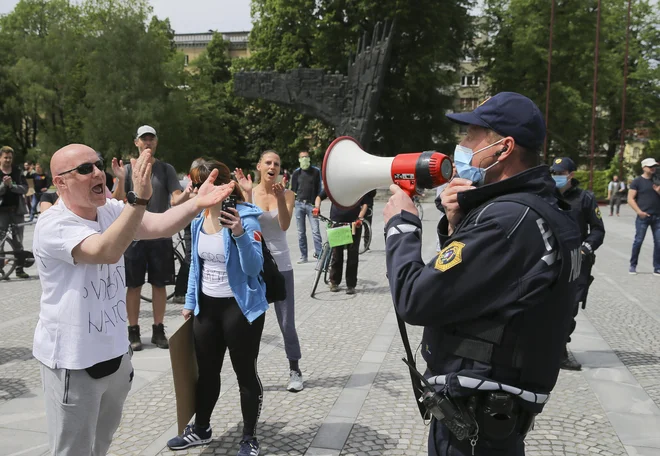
[83,318]
[276,240]
[612,186]
[211,250]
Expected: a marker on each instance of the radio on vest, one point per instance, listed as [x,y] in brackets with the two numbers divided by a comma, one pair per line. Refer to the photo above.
[349,172]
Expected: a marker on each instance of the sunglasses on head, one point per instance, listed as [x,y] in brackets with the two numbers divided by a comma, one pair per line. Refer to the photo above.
[85,168]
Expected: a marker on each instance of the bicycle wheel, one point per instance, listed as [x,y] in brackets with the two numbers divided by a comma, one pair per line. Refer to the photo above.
[366,237]
[420,210]
[8,258]
[178,261]
[326,268]
[320,267]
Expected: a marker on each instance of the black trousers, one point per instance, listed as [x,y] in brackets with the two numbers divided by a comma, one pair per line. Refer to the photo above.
[353,258]
[616,200]
[221,325]
[583,283]
[443,443]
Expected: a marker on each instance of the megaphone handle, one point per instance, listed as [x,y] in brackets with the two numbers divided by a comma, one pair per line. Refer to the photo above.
[407,186]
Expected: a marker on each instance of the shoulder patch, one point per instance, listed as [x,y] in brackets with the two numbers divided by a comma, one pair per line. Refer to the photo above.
[598,214]
[257,236]
[450,256]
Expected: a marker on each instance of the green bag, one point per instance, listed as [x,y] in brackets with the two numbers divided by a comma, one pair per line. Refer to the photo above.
[339,236]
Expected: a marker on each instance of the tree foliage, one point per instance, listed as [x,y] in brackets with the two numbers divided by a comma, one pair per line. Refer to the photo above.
[514,57]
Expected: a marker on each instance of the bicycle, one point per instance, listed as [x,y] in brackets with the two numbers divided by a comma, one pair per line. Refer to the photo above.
[323,263]
[179,259]
[418,204]
[9,258]
[367,235]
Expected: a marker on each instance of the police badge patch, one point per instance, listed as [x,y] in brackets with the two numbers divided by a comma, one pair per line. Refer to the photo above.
[450,256]
[598,214]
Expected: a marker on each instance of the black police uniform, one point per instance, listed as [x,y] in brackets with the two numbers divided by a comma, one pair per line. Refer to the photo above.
[592,234]
[496,302]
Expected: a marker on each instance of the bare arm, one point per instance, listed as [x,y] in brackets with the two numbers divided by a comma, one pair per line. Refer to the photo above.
[120,191]
[363,211]
[285,205]
[120,173]
[179,197]
[155,226]
[631,201]
[109,246]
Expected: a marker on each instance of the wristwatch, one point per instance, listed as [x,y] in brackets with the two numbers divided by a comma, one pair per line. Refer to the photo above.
[133,199]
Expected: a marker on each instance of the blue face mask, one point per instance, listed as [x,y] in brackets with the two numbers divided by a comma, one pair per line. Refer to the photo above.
[560,181]
[463,161]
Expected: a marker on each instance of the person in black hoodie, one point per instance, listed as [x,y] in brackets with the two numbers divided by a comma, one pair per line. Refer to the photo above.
[592,232]
[497,300]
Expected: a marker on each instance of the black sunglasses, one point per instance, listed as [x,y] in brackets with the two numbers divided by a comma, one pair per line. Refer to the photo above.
[85,168]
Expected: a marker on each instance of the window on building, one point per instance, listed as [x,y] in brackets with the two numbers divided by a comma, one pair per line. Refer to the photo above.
[186,60]
[470,81]
[468,104]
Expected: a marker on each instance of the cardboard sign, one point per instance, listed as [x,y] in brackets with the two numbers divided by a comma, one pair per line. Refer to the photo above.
[184,372]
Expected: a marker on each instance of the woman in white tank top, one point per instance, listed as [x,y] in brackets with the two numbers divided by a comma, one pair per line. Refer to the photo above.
[278,204]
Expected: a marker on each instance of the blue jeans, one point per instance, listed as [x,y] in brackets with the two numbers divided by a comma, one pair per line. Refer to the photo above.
[641,225]
[301,211]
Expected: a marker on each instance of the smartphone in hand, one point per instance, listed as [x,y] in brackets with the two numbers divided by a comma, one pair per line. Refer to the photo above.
[230,202]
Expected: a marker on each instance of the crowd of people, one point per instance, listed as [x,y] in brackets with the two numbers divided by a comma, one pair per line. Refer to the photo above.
[105,235]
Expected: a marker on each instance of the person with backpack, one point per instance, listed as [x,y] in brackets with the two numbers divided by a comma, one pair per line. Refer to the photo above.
[278,205]
[227,296]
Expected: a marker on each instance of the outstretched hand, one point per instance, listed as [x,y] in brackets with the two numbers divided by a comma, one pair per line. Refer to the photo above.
[209,194]
[244,182]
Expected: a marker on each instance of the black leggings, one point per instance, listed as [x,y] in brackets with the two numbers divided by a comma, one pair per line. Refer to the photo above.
[219,325]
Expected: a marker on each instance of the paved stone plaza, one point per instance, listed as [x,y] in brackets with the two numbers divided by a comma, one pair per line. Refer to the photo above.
[357,398]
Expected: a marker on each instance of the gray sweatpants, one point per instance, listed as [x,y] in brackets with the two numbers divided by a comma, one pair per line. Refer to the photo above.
[83,413]
[286,317]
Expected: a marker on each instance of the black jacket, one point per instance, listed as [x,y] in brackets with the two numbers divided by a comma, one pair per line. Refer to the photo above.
[590,220]
[502,264]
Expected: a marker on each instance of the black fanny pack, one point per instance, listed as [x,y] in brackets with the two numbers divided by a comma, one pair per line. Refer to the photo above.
[104,368]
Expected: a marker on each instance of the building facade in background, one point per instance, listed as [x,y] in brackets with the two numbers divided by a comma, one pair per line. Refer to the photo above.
[193,44]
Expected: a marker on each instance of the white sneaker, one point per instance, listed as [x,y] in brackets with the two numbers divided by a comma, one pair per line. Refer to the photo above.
[295,382]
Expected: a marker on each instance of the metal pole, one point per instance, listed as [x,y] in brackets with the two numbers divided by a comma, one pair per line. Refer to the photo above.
[623,101]
[547,86]
[594,102]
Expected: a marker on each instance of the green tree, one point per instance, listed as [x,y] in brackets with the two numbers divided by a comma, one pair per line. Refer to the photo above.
[514,57]
[429,41]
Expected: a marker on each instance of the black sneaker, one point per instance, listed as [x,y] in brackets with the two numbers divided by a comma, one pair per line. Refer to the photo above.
[158,336]
[192,436]
[134,337]
[249,446]
[22,275]
[569,363]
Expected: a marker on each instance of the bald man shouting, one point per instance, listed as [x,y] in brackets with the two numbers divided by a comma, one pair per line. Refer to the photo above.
[81,338]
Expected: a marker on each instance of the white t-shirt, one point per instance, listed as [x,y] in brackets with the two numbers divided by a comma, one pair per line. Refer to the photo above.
[83,318]
[211,250]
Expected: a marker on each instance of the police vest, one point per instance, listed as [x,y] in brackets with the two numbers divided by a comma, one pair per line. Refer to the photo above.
[524,350]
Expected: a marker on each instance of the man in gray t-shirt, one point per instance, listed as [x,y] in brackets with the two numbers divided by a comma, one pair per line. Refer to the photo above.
[644,199]
[153,256]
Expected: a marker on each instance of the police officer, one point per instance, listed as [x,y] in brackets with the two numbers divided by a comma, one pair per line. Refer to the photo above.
[496,302]
[592,232]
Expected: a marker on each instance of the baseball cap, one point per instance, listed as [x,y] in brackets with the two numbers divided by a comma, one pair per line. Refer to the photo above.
[563,164]
[145,129]
[508,114]
[649,162]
